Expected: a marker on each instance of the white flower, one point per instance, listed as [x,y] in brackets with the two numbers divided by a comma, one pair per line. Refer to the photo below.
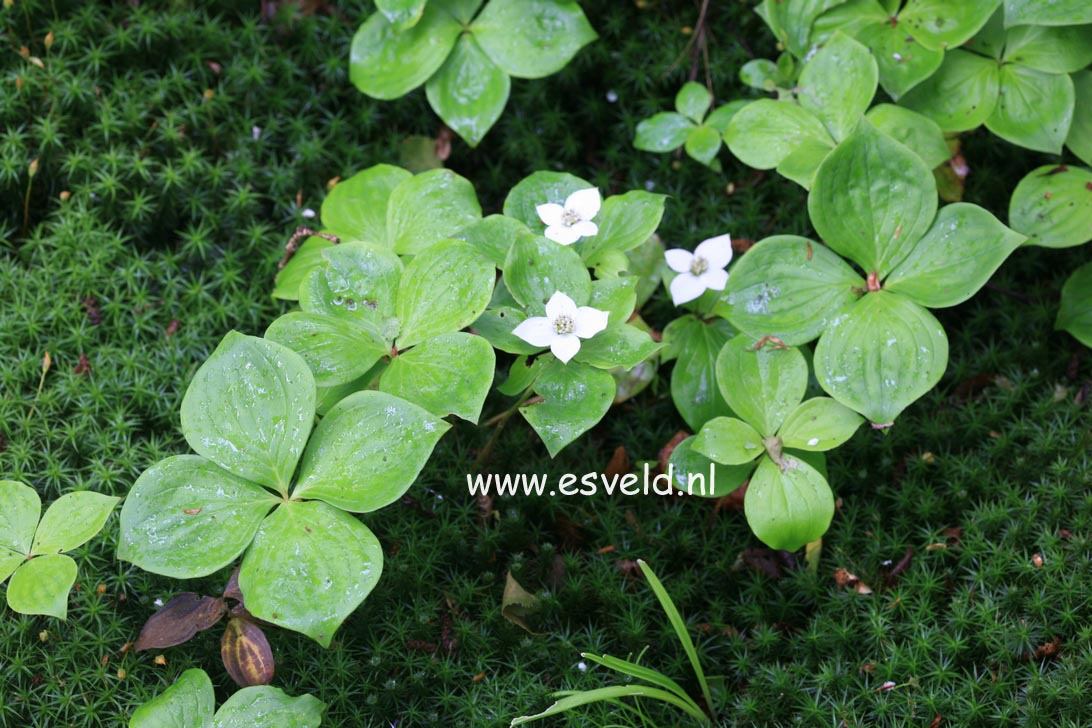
[568,223]
[701,270]
[563,326]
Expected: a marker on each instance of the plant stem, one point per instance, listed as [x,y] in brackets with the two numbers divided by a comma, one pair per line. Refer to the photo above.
[500,421]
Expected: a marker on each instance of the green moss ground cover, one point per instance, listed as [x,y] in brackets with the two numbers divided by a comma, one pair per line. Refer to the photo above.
[173,223]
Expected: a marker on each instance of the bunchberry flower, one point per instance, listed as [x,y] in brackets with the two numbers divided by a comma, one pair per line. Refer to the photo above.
[568,223]
[563,326]
[702,270]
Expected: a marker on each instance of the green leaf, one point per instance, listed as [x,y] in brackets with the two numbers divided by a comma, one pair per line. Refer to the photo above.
[881,356]
[310,566]
[729,441]
[872,200]
[761,386]
[819,424]
[961,95]
[469,92]
[20,509]
[765,132]
[1050,49]
[185,517]
[838,84]
[402,14]
[646,263]
[789,287]
[337,351]
[920,133]
[306,258]
[575,397]
[432,206]
[693,381]
[693,101]
[444,289]
[942,24]
[722,115]
[385,63]
[955,258]
[802,164]
[538,189]
[626,221]
[788,508]
[1053,206]
[71,520]
[532,38]
[1075,312]
[41,586]
[495,326]
[639,672]
[368,451]
[521,375]
[262,705]
[664,132]
[493,236]
[358,284]
[537,268]
[1052,12]
[697,475]
[1079,140]
[357,206]
[449,374]
[760,73]
[616,296]
[703,144]
[619,345]
[1034,109]
[856,18]
[903,62]
[188,703]
[792,21]
[250,408]
[9,562]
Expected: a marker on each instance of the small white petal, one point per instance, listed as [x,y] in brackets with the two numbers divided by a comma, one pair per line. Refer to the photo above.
[715,279]
[562,234]
[717,251]
[565,347]
[308,213]
[585,203]
[679,260]
[550,213]
[586,229]
[536,331]
[560,305]
[686,287]
[589,322]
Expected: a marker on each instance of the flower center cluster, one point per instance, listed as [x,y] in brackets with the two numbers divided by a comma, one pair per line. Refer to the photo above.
[570,217]
[564,325]
[698,266]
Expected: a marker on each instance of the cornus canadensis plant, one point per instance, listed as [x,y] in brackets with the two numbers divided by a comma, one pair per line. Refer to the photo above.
[269,485]
[568,222]
[32,552]
[191,703]
[875,203]
[836,85]
[690,126]
[700,271]
[788,502]
[465,58]
[563,326]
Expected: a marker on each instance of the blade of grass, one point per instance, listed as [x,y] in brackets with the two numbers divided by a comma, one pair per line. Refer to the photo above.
[610,693]
[680,629]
